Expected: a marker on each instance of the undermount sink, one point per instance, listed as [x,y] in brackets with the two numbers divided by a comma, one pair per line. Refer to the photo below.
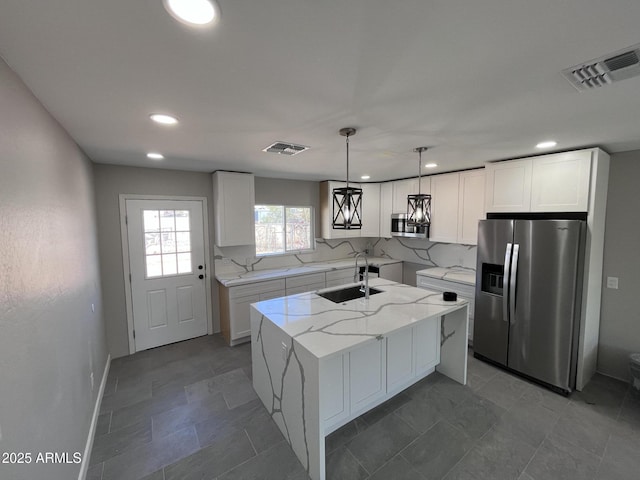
[346,294]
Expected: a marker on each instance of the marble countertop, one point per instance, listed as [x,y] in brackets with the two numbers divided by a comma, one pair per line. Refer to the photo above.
[233,279]
[454,274]
[325,328]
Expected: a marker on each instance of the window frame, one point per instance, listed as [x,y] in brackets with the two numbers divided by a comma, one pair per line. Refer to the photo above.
[312,230]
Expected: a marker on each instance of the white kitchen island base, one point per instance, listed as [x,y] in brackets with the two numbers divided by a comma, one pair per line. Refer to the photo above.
[318,365]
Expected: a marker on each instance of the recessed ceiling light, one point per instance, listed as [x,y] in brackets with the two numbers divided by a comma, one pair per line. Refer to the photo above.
[548,144]
[163,118]
[430,165]
[193,12]
[155,156]
[365,177]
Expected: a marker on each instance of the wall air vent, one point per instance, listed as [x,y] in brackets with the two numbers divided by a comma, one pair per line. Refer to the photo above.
[605,70]
[284,148]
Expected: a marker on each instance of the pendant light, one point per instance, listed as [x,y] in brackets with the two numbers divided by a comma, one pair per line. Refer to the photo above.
[347,201]
[419,206]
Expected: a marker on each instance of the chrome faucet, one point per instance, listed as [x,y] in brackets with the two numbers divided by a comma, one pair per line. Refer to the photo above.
[366,275]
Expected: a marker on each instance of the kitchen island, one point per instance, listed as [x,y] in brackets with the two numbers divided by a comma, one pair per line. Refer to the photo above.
[318,364]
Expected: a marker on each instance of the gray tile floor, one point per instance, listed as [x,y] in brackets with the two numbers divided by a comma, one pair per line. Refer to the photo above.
[187,411]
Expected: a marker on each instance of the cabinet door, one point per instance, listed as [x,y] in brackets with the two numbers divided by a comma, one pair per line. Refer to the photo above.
[334,394]
[240,316]
[367,369]
[426,338]
[400,359]
[508,186]
[560,183]
[370,210]
[470,205]
[444,208]
[234,197]
[402,188]
[386,208]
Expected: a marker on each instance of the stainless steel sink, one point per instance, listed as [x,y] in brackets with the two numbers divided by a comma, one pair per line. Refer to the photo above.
[346,294]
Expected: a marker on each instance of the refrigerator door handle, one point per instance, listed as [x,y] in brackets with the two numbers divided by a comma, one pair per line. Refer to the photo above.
[512,282]
[505,282]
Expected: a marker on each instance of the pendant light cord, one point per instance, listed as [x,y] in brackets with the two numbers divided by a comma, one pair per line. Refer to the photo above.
[419,171]
[347,160]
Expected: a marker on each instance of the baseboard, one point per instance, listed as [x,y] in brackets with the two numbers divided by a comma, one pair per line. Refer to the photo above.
[84,467]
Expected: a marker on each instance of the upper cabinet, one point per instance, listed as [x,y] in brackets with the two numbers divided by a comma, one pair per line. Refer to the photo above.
[470,205]
[386,208]
[548,183]
[457,204]
[402,188]
[233,199]
[370,210]
[560,183]
[444,208]
[508,186]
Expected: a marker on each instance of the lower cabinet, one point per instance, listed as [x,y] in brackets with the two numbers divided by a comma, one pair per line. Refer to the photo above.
[305,283]
[391,271]
[356,381]
[235,303]
[339,277]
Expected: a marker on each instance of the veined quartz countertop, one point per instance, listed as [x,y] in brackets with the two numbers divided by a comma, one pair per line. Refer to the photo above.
[454,274]
[325,328]
[233,279]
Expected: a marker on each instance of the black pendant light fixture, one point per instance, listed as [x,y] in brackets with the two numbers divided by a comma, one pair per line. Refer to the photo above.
[347,201]
[419,206]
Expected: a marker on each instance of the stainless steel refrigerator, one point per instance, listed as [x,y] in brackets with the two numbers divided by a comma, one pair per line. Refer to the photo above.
[528,297]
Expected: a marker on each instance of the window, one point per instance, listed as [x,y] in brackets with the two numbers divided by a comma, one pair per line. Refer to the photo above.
[167,242]
[281,229]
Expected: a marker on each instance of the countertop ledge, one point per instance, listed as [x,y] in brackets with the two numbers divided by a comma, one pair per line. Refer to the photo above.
[235,279]
[466,276]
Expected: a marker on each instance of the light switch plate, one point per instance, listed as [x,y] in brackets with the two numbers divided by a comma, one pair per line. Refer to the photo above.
[612,282]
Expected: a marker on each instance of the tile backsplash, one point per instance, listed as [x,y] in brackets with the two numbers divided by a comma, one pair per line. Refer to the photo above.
[425,252]
[242,259]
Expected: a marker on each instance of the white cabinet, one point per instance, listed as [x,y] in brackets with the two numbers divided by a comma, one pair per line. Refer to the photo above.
[560,182]
[235,303]
[444,208]
[305,283]
[326,211]
[386,209]
[370,210]
[548,183]
[355,381]
[339,277]
[464,291]
[508,186]
[391,271]
[402,188]
[233,202]
[470,205]
[367,375]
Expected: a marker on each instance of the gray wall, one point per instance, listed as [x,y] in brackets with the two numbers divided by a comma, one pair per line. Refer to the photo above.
[111,181]
[276,191]
[50,340]
[620,316]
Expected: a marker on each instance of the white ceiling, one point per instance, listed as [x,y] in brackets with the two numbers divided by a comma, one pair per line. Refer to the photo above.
[475,81]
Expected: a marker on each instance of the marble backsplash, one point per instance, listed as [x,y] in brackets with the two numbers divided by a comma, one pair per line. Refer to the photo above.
[242,259]
[425,252]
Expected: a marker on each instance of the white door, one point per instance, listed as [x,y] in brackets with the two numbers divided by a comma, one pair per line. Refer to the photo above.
[168,271]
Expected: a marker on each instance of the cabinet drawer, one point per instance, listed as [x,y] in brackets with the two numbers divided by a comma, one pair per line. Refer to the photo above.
[300,280]
[304,288]
[446,286]
[256,288]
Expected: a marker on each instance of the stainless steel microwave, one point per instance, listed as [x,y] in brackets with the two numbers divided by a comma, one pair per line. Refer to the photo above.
[400,227]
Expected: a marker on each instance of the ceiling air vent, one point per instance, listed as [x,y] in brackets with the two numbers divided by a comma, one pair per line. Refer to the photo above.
[284,148]
[605,70]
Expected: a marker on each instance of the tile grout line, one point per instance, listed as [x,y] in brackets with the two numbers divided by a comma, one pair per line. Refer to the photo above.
[358,461]
[250,442]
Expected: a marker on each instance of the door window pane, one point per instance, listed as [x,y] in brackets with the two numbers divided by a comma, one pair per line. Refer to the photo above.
[167,232]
